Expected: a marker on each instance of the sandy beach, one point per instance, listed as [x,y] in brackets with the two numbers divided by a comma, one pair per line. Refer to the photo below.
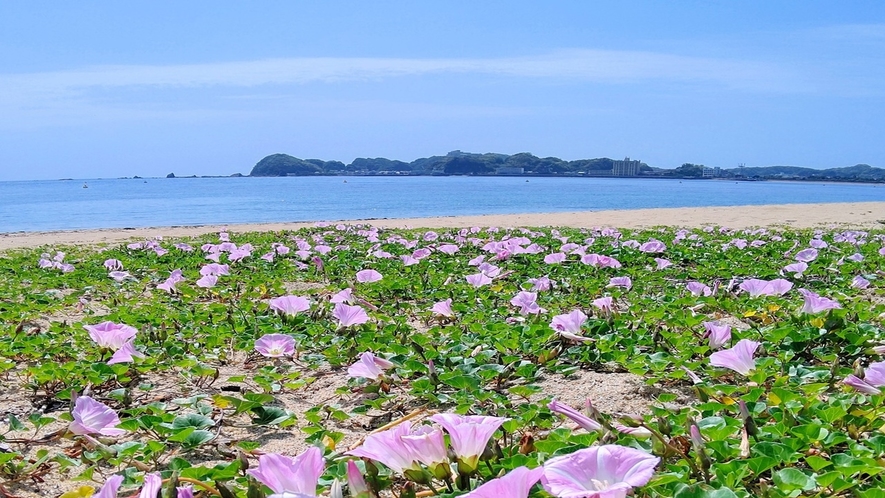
[849,214]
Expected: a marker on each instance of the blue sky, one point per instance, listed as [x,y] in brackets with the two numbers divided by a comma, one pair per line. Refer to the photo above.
[109,89]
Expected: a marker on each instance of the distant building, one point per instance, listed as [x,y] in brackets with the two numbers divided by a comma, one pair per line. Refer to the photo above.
[712,172]
[625,167]
[509,170]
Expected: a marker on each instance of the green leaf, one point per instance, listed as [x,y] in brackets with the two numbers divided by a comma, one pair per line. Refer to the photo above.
[269,415]
[702,491]
[194,420]
[791,479]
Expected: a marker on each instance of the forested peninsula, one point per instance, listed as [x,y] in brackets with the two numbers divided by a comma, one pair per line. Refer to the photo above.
[526,164]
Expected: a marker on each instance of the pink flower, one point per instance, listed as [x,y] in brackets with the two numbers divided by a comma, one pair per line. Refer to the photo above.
[540,284]
[289,305]
[698,289]
[873,379]
[555,258]
[388,448]
[355,481]
[515,484]
[757,287]
[569,325]
[718,334]
[113,264]
[119,276]
[215,269]
[468,435]
[369,367]
[207,281]
[110,488]
[367,276]
[607,471]
[806,255]
[662,263]
[624,282]
[796,268]
[653,246]
[110,335]
[814,303]
[291,475]
[587,423]
[126,354]
[93,417]
[275,345]
[608,262]
[527,303]
[856,257]
[739,358]
[603,303]
[349,315]
[443,308]
[428,446]
[860,283]
[449,249]
[478,279]
[344,296]
[152,484]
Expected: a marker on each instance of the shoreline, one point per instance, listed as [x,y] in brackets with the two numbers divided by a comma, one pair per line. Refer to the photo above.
[848,215]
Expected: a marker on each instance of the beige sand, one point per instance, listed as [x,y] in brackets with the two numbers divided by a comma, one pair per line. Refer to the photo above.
[849,214]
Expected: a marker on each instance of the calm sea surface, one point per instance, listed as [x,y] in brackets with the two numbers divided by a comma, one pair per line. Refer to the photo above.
[62,205]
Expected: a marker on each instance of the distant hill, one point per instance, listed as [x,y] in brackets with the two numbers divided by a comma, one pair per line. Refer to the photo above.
[524,163]
[453,163]
[859,172]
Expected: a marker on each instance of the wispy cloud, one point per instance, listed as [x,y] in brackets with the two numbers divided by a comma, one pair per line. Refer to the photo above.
[606,66]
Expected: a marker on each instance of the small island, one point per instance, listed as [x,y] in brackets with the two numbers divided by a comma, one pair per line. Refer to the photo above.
[526,164]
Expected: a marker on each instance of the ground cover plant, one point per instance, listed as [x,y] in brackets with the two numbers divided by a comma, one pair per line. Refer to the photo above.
[346,360]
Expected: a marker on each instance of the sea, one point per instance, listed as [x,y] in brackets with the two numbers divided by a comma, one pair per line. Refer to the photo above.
[44,205]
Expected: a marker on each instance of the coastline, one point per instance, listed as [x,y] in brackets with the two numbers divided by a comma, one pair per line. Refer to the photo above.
[849,215]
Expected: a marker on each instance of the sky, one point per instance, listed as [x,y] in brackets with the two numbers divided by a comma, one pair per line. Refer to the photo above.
[112,89]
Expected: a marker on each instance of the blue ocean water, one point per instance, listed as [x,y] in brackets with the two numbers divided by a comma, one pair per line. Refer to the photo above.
[119,203]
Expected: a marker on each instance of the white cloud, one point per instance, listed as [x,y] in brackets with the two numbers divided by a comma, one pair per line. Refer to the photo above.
[607,66]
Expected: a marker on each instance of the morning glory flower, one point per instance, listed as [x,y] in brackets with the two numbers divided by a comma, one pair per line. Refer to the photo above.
[806,255]
[94,417]
[796,268]
[429,447]
[515,484]
[367,276]
[569,325]
[607,471]
[152,484]
[344,296]
[757,287]
[207,281]
[555,258]
[873,379]
[283,474]
[369,367]
[540,284]
[443,308]
[349,315]
[653,246]
[215,269]
[119,276]
[478,279]
[110,488]
[603,303]
[113,264]
[814,303]
[699,289]
[289,305]
[662,263]
[527,302]
[356,483]
[126,354]
[860,283]
[587,423]
[110,335]
[624,282]
[717,333]
[388,448]
[738,358]
[468,435]
[275,345]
